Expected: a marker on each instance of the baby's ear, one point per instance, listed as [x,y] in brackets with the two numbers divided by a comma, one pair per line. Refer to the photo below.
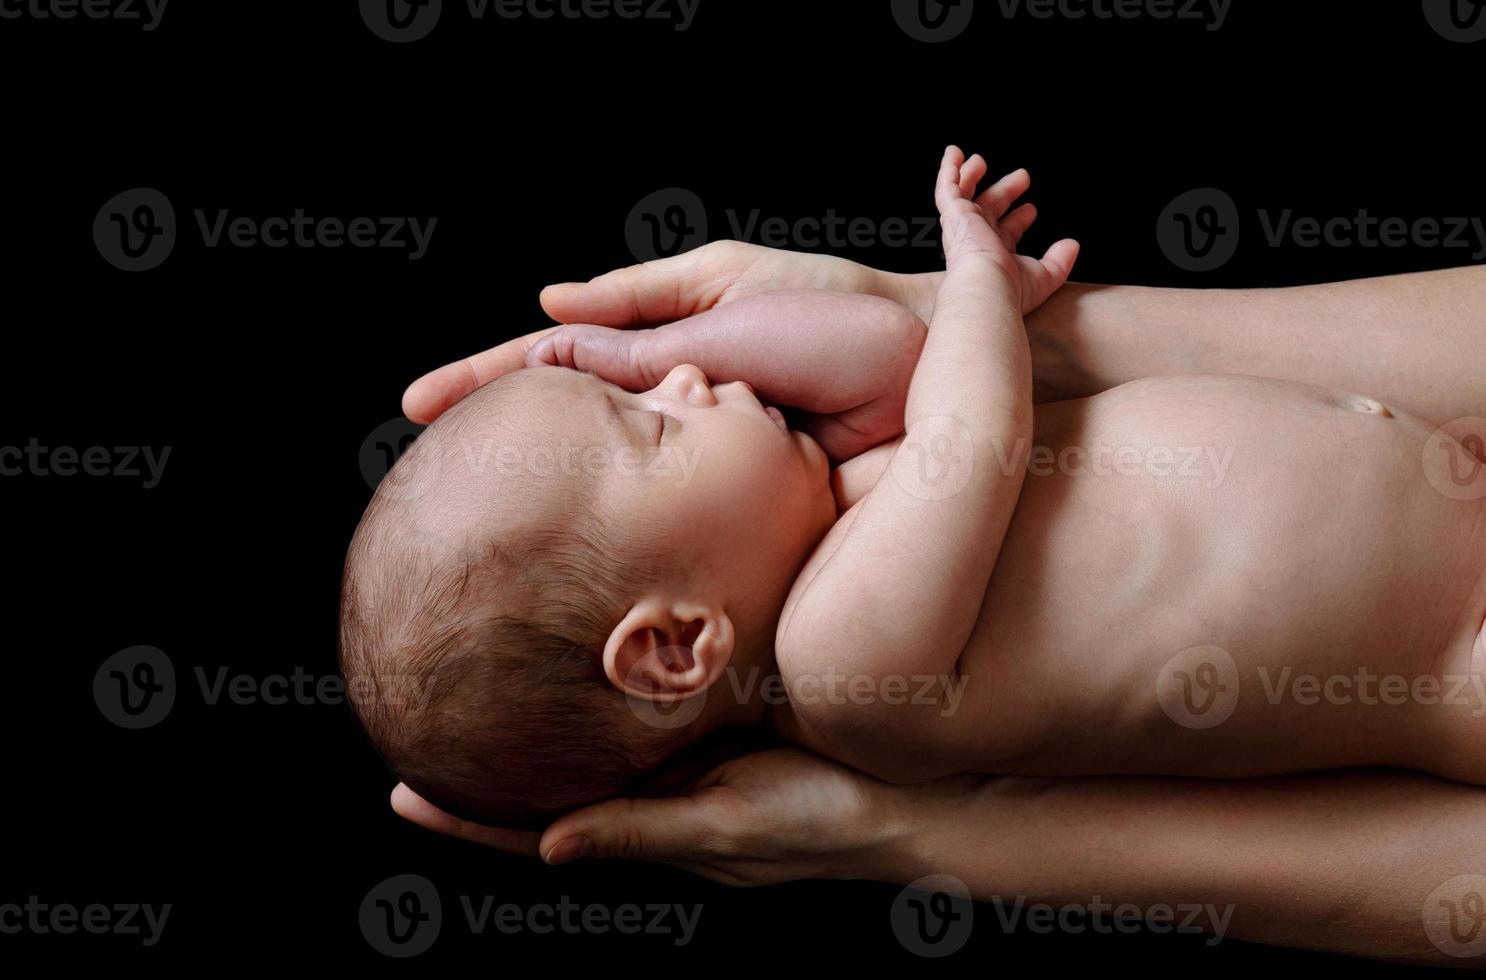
[667,651]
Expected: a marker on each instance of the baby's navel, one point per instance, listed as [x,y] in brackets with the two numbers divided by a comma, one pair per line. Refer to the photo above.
[1367,406]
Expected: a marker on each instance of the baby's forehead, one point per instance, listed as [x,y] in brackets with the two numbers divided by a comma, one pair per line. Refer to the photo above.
[542,386]
[503,456]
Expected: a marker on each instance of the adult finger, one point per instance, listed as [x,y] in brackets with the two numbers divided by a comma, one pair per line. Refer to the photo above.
[437,391]
[671,829]
[653,292]
[410,806]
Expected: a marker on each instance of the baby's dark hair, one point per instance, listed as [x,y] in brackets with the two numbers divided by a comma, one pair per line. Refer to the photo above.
[472,647]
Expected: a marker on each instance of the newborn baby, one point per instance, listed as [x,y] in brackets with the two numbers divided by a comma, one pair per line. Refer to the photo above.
[565,583]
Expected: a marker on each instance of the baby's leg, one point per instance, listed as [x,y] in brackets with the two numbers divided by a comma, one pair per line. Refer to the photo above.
[1414,341]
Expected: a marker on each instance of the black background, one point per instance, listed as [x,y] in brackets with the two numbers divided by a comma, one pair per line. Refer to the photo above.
[530,141]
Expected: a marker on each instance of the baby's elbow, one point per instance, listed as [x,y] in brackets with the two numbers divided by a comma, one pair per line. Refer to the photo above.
[872,732]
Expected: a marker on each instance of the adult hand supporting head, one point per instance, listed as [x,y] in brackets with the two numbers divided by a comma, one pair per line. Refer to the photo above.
[772,816]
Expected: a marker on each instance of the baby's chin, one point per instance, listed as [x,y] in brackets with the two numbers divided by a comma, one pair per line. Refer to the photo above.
[815,457]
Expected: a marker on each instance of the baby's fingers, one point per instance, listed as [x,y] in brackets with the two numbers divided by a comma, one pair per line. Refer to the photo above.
[947,191]
[1042,278]
[1000,196]
[1059,261]
[966,229]
[1015,224]
[971,174]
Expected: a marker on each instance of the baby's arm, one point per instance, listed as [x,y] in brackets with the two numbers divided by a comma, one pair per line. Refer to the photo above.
[894,592]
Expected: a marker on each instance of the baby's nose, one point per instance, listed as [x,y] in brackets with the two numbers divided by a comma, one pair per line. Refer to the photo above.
[687,383]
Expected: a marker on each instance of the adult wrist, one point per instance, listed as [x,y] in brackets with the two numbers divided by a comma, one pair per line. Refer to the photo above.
[922,830]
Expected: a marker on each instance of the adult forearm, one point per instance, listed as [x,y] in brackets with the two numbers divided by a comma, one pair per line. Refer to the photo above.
[1349,862]
[1414,341]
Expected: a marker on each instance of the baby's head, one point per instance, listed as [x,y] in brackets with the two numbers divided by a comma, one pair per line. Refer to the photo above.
[557,560]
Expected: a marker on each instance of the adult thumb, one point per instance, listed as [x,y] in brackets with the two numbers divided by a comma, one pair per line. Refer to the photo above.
[668,829]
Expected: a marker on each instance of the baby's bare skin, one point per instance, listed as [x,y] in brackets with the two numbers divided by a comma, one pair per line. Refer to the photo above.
[1202,575]
[1323,549]
[1291,527]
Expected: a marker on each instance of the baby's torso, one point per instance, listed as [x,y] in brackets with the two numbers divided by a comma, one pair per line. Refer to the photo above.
[1225,576]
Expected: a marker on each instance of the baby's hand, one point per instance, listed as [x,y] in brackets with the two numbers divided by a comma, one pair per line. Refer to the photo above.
[985,226]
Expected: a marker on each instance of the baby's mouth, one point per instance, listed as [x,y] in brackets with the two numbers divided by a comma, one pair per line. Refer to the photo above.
[777,416]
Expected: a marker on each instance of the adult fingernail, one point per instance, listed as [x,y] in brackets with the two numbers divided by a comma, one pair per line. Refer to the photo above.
[570,849]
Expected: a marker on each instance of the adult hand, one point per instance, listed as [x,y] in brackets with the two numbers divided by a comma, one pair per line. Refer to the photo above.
[655,293]
[773,816]
[716,274]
